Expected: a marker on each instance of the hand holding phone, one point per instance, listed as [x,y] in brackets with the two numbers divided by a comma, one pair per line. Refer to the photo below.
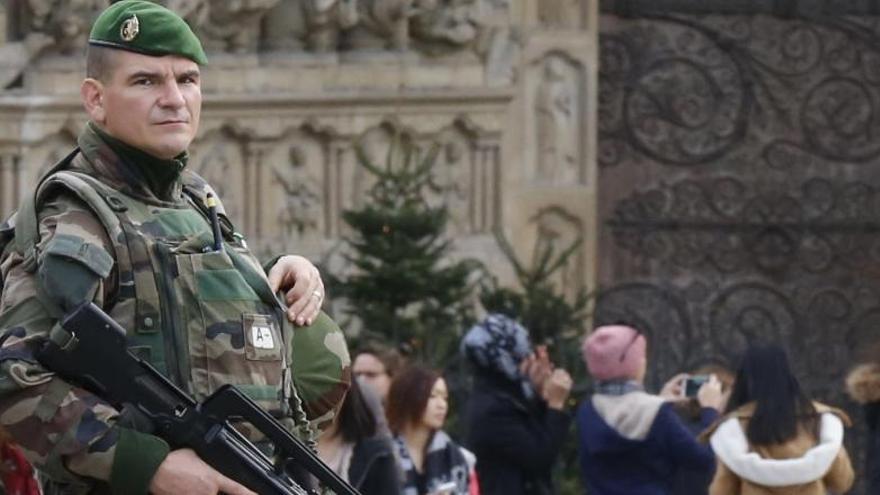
[709,393]
[692,385]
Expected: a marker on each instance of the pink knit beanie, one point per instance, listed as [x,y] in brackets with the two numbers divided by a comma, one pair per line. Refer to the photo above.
[614,352]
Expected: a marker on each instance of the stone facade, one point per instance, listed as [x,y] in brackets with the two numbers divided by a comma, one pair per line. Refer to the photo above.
[507,87]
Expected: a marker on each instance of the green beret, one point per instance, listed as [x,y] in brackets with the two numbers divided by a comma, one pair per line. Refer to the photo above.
[148,28]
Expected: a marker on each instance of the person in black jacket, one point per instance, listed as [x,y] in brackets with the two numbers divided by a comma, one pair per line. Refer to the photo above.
[516,419]
[357,445]
[863,385]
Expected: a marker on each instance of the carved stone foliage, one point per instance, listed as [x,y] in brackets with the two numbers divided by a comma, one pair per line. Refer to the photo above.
[737,185]
[558,125]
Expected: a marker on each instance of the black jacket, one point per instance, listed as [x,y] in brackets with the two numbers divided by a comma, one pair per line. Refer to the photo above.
[373,469]
[516,441]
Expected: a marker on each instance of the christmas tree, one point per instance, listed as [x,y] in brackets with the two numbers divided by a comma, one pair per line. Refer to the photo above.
[405,289]
[551,319]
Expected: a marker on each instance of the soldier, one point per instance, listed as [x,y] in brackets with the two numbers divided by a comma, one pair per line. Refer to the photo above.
[123,223]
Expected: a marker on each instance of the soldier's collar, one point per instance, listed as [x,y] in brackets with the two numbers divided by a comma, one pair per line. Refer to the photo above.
[138,156]
[143,171]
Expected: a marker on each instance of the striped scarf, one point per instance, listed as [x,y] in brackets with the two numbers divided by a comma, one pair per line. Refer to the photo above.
[444,464]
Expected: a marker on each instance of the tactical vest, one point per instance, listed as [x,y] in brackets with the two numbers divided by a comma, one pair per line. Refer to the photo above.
[202,317]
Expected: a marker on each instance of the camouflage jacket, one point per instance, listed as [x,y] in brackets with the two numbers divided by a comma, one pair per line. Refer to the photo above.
[202,317]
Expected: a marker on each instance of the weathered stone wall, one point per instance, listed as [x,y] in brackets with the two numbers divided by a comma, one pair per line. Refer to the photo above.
[507,87]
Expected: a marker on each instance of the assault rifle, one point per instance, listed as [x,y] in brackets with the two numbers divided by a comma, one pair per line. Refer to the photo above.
[95,356]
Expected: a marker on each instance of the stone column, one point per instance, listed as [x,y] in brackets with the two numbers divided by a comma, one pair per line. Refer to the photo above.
[9,182]
[4,32]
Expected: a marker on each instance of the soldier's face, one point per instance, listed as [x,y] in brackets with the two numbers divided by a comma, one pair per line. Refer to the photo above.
[151,103]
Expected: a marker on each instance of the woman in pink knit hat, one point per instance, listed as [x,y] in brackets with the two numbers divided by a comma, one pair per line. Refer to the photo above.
[632,442]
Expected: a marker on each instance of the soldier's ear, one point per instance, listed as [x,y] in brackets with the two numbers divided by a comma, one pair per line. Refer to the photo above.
[92,95]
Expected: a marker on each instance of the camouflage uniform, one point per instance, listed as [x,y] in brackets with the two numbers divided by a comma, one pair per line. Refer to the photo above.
[202,317]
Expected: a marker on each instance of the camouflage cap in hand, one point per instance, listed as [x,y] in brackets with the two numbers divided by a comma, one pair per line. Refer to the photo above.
[148,28]
[321,368]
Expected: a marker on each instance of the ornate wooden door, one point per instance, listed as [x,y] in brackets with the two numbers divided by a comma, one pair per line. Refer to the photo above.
[739,196]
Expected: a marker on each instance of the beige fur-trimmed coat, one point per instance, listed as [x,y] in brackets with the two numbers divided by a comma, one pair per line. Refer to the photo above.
[803,465]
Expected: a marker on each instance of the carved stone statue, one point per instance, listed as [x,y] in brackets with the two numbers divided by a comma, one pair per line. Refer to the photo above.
[15,56]
[300,208]
[67,22]
[312,24]
[382,24]
[444,23]
[225,25]
[557,123]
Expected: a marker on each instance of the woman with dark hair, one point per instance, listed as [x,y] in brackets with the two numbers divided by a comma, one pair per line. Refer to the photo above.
[863,385]
[356,448]
[769,415]
[431,462]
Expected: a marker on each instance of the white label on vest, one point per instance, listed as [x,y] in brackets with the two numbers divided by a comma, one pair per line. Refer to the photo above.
[262,337]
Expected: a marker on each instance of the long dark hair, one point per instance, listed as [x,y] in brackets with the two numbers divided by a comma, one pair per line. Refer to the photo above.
[356,420]
[781,407]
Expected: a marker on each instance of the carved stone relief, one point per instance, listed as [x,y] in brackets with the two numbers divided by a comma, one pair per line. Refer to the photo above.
[382,25]
[466,171]
[43,26]
[558,230]
[443,24]
[501,55]
[558,121]
[219,158]
[295,193]
[308,24]
[376,145]
[453,171]
[67,22]
[229,26]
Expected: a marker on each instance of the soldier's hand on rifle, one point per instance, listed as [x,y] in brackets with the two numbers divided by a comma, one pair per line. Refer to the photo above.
[183,472]
[302,286]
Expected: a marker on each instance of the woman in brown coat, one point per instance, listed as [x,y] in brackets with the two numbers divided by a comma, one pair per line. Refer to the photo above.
[863,385]
[774,440]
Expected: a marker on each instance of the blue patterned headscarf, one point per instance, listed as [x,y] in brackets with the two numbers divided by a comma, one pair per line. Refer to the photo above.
[498,345]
